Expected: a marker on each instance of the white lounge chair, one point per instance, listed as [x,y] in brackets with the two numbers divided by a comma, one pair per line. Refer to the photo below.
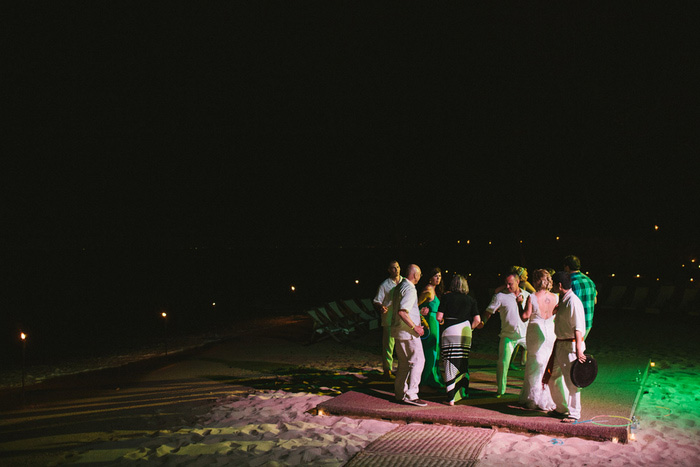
[345,317]
[324,326]
[372,321]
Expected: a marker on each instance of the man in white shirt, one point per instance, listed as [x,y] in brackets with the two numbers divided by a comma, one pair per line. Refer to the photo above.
[569,327]
[406,330]
[383,304]
[508,304]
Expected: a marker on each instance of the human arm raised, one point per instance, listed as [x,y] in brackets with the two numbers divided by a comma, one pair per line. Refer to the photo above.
[525,285]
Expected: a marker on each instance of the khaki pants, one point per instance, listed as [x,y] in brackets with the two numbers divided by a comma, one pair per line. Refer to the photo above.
[409,354]
[565,393]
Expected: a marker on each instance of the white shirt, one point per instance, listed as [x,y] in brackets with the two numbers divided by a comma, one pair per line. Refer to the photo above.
[570,317]
[384,297]
[504,304]
[409,302]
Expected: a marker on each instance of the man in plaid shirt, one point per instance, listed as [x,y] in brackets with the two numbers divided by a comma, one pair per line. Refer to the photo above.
[583,287]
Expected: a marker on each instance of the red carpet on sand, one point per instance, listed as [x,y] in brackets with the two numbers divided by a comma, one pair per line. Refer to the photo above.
[608,406]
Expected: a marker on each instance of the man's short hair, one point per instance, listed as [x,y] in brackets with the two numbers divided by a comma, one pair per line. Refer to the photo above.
[572,262]
[563,278]
[511,272]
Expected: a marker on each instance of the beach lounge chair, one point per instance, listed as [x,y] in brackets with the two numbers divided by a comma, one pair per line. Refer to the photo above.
[663,296]
[345,317]
[367,305]
[371,320]
[637,299]
[324,326]
[615,296]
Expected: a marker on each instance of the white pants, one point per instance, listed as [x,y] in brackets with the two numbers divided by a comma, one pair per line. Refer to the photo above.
[505,352]
[565,393]
[409,354]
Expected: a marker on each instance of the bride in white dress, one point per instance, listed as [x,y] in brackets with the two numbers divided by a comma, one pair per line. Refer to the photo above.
[539,310]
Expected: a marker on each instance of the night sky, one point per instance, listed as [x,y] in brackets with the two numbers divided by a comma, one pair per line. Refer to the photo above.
[173,124]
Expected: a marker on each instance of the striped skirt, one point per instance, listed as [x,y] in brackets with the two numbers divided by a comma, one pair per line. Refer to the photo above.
[455,342]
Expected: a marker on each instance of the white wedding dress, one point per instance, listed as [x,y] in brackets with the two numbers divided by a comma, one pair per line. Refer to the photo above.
[540,341]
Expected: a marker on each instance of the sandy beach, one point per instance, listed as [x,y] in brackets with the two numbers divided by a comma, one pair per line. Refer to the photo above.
[184,183]
[273,380]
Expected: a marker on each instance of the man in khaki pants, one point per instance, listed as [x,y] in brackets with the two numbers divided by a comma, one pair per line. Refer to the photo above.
[407,331]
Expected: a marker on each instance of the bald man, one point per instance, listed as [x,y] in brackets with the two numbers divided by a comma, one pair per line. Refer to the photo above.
[406,330]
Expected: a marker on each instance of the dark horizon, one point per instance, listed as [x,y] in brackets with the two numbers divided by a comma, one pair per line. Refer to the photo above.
[139,132]
[186,125]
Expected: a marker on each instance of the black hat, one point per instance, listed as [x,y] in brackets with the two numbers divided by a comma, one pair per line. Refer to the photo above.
[583,374]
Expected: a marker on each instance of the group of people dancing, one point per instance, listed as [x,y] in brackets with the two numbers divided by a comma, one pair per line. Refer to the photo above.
[431,333]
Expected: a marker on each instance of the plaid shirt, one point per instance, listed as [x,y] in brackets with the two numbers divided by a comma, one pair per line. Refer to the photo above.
[584,288]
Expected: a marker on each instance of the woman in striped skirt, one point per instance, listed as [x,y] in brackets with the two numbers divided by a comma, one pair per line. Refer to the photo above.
[458,315]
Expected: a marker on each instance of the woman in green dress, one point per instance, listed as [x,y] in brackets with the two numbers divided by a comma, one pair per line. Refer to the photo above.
[428,302]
